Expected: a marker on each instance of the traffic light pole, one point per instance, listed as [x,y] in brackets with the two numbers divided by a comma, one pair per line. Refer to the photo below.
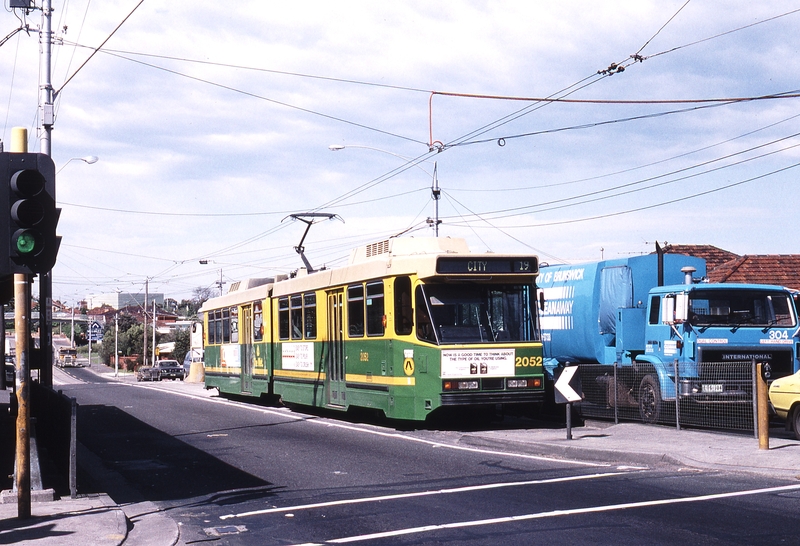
[22,312]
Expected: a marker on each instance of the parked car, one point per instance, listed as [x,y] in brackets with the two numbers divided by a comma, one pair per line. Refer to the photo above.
[162,369]
[784,394]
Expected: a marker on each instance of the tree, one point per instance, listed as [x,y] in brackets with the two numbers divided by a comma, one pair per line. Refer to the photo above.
[189,307]
[183,343]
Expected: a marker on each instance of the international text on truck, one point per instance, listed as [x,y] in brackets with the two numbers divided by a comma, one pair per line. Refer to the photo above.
[408,326]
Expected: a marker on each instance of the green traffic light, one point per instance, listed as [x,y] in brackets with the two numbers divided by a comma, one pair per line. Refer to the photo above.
[26,243]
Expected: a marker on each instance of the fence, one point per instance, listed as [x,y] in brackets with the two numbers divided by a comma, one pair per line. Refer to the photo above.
[720,396]
[55,415]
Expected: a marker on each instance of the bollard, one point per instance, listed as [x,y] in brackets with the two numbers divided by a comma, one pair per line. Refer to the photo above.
[763,416]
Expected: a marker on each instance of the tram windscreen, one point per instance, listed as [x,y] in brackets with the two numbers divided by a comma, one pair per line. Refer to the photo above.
[740,307]
[467,313]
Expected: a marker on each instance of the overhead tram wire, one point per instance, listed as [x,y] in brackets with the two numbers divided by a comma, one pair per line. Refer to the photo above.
[565,202]
[661,204]
[614,68]
[501,230]
[638,167]
[721,34]
[715,104]
[266,70]
[263,98]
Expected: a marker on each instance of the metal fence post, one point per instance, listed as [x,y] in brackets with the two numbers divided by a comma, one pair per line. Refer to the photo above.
[755,399]
[616,397]
[73,449]
[677,396]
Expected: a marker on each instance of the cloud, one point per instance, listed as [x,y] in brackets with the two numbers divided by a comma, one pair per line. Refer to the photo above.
[204,159]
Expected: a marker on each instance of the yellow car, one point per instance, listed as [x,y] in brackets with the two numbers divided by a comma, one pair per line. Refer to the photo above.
[784,394]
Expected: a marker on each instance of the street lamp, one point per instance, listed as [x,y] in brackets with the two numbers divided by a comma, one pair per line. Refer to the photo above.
[220,282]
[89,159]
[337,147]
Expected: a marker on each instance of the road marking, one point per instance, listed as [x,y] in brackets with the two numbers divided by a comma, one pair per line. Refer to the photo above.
[60,377]
[420,494]
[395,435]
[555,513]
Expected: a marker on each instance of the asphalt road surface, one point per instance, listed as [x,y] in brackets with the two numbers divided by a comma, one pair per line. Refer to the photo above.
[240,474]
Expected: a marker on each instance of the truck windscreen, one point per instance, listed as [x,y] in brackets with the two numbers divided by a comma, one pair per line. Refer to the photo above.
[742,308]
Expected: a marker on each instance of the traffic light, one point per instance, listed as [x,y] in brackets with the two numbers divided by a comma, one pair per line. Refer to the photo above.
[29,240]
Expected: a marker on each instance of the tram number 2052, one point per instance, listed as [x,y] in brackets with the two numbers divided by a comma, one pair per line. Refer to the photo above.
[528,361]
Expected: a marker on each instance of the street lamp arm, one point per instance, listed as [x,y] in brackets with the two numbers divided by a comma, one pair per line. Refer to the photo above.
[89,159]
[337,147]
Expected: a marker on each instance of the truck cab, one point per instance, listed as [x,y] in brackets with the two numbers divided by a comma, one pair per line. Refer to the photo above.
[705,327]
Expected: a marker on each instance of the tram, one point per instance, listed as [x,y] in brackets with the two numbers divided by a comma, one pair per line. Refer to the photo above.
[409,326]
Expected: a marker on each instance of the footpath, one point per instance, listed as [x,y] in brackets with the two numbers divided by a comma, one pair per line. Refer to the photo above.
[97,520]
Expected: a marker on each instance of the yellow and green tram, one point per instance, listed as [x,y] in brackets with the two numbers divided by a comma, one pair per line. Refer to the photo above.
[410,325]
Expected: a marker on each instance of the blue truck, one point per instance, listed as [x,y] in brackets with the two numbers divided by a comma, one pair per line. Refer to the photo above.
[647,313]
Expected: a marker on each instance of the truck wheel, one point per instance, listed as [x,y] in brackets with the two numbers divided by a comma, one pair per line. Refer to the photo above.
[796,422]
[649,399]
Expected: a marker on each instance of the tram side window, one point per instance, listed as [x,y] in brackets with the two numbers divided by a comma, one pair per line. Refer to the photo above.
[234,325]
[296,316]
[258,322]
[226,326]
[218,326]
[310,310]
[375,309]
[355,310]
[210,331]
[283,318]
[403,312]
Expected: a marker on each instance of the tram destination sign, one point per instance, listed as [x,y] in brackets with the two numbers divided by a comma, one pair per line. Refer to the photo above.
[487,265]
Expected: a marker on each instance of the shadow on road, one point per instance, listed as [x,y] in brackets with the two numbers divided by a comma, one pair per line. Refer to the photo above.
[154,465]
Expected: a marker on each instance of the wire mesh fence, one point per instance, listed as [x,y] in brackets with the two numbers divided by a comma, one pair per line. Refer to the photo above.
[719,395]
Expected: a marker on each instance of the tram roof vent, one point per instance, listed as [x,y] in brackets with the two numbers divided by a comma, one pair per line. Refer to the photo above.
[408,246]
[250,283]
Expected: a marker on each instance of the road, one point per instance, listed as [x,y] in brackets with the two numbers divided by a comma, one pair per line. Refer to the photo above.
[243,474]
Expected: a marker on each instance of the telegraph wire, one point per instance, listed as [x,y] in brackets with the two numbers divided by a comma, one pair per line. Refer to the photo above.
[564,202]
[263,98]
[662,204]
[721,34]
[638,167]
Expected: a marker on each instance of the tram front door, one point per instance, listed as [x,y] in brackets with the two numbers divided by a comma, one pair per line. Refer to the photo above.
[334,358]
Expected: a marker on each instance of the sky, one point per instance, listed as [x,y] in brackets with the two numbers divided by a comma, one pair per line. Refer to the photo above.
[212,123]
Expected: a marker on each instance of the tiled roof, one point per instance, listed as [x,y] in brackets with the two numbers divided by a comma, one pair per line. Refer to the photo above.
[724,266]
[780,269]
[713,256]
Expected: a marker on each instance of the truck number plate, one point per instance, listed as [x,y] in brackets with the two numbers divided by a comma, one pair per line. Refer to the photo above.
[715,387]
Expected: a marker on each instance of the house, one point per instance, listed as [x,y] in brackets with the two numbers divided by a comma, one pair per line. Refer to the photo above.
[724,266]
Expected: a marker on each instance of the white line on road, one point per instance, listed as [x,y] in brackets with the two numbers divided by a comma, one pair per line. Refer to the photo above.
[419,494]
[554,513]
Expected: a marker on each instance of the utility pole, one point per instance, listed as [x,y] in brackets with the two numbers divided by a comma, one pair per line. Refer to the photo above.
[47,118]
[155,321]
[146,297]
[116,343]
